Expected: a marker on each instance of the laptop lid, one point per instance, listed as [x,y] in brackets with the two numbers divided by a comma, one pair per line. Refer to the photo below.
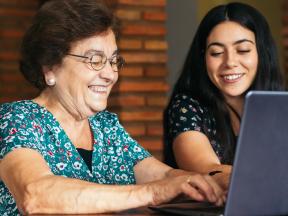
[259,181]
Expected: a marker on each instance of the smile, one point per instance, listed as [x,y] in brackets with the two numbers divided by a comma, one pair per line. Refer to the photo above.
[98,89]
[232,77]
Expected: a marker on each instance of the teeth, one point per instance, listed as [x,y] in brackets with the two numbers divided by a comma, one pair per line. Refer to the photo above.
[232,77]
[98,88]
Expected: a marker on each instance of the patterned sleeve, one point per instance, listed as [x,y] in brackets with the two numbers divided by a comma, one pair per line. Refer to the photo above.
[16,130]
[184,114]
[132,151]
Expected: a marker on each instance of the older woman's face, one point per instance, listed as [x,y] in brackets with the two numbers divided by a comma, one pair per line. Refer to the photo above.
[79,88]
[231,58]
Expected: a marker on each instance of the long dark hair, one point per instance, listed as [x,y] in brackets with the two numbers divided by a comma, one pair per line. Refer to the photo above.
[194,80]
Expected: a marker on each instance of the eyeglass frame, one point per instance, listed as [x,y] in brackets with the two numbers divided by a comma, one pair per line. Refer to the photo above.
[104,63]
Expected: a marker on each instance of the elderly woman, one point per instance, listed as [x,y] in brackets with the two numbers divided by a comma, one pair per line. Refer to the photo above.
[62,152]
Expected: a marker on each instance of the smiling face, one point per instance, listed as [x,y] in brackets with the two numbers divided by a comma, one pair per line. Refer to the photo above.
[231,58]
[79,89]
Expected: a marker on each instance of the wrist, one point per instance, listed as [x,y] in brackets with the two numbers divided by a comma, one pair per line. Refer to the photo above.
[147,194]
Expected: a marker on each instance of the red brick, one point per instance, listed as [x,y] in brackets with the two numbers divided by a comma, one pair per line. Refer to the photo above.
[156,71]
[285,55]
[155,45]
[285,31]
[129,100]
[135,130]
[151,144]
[156,101]
[159,3]
[154,16]
[155,130]
[131,71]
[20,3]
[130,44]
[9,56]
[145,30]
[128,14]
[11,77]
[16,12]
[285,42]
[8,44]
[153,86]
[140,116]
[11,33]
[157,153]
[285,19]
[141,57]
[8,67]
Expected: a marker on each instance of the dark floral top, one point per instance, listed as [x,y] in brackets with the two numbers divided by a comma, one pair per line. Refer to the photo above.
[25,124]
[187,114]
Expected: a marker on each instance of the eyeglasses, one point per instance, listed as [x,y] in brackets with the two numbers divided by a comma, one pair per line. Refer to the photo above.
[98,61]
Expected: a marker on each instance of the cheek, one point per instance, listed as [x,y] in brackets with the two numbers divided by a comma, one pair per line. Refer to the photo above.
[252,63]
[211,67]
[115,78]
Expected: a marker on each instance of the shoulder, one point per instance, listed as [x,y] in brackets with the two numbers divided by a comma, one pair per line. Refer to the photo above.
[17,126]
[183,103]
[15,109]
[184,98]
[105,118]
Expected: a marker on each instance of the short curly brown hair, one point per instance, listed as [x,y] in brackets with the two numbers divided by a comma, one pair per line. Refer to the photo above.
[56,25]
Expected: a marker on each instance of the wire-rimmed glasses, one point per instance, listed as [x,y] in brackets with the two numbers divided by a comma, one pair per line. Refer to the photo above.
[98,61]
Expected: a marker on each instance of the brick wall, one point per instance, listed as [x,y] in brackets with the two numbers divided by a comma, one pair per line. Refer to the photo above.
[140,94]
[15,16]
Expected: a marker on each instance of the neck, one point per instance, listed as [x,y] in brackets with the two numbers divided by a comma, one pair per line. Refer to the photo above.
[236,103]
[235,107]
[75,126]
[61,111]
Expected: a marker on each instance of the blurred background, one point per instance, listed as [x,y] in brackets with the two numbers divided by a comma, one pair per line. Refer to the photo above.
[154,40]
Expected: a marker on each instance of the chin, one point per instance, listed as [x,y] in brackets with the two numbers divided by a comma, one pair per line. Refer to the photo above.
[99,107]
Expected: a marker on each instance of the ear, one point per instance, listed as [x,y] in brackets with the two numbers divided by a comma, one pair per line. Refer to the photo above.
[49,75]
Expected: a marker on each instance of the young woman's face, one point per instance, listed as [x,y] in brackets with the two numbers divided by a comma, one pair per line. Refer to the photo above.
[231,58]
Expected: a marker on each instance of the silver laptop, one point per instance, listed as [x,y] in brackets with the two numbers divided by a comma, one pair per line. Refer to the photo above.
[259,181]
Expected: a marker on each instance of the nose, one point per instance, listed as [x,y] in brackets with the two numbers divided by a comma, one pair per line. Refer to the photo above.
[231,59]
[107,73]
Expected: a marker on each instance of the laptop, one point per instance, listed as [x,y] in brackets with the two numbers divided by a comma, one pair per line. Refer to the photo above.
[259,179]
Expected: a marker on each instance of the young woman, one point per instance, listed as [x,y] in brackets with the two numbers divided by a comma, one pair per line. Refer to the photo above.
[232,52]
[62,152]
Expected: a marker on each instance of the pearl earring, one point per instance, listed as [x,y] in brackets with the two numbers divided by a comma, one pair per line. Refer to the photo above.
[51,82]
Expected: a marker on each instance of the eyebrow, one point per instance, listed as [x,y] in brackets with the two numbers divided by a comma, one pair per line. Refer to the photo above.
[235,43]
[99,52]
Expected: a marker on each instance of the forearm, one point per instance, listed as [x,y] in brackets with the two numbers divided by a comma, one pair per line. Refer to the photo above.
[177,172]
[56,194]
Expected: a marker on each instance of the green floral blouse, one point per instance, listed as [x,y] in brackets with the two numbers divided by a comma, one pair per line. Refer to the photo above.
[25,124]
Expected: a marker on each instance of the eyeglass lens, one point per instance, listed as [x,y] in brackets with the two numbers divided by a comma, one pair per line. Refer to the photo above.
[98,62]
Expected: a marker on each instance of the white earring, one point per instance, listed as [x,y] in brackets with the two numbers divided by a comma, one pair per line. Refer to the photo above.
[51,82]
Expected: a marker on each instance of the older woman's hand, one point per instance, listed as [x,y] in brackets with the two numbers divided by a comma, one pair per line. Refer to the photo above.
[166,183]
[195,186]
[223,179]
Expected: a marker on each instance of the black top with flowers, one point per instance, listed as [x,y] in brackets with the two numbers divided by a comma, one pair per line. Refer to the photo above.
[187,114]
